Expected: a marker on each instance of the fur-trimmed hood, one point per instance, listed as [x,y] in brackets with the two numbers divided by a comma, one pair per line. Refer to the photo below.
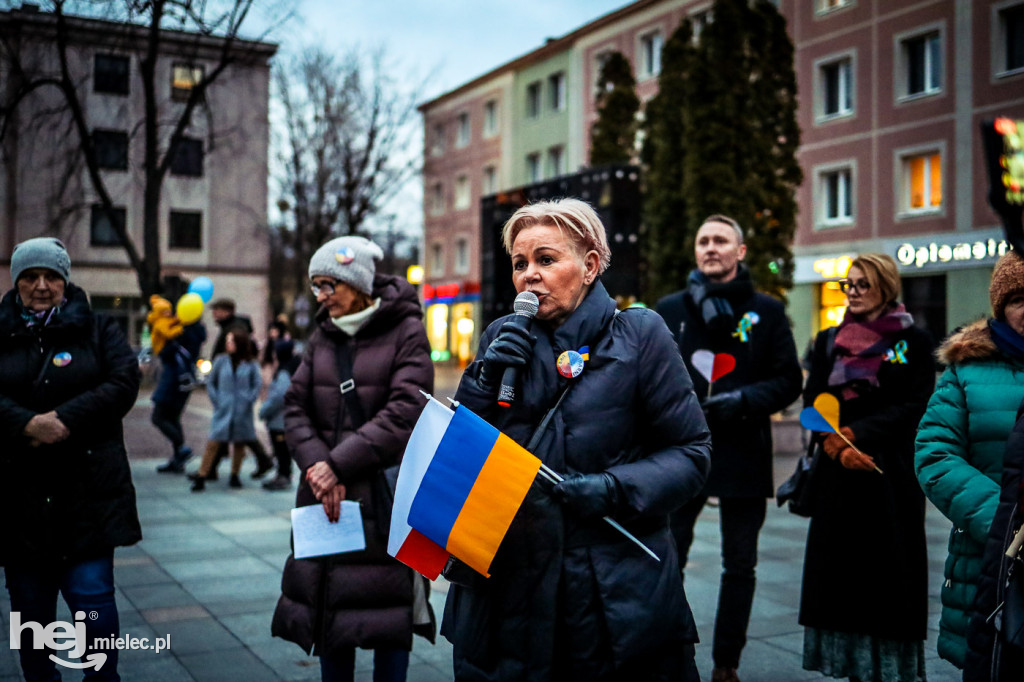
[973,342]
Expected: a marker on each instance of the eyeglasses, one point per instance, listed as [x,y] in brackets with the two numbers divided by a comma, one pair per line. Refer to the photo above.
[325,288]
[862,286]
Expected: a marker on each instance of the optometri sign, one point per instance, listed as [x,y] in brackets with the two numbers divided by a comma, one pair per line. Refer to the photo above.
[959,253]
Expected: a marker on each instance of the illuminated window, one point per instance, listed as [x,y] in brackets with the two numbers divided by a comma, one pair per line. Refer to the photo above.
[462,193]
[462,131]
[650,54]
[533,100]
[922,64]
[185,77]
[922,182]
[833,305]
[437,327]
[837,88]
[491,118]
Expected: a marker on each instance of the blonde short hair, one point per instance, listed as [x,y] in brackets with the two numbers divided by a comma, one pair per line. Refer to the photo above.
[573,218]
[882,272]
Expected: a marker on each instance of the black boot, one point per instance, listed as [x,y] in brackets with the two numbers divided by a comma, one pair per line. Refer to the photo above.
[198,484]
[235,481]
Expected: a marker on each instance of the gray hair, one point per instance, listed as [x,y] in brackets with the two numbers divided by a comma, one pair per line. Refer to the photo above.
[719,218]
[574,218]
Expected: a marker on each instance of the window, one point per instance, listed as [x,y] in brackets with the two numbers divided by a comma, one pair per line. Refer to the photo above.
[462,131]
[491,118]
[700,21]
[556,161]
[437,140]
[490,181]
[111,149]
[110,74]
[437,199]
[837,88]
[436,260]
[600,59]
[533,100]
[650,54]
[1011,23]
[922,62]
[922,182]
[556,91]
[829,5]
[533,167]
[184,77]
[462,194]
[836,197]
[186,230]
[188,157]
[101,231]
[461,256]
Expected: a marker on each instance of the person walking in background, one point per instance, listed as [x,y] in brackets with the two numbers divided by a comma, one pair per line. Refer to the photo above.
[233,387]
[178,353]
[67,379]
[223,311]
[961,444]
[720,312]
[370,341]
[272,413]
[568,597]
[276,331]
[864,599]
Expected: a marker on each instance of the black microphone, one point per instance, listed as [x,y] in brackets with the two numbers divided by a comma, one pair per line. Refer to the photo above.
[525,307]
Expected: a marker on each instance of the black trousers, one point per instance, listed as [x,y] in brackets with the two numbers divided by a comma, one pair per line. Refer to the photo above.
[741,521]
[167,418]
[281,454]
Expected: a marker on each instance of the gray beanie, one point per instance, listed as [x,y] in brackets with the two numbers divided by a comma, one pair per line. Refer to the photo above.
[41,252]
[349,260]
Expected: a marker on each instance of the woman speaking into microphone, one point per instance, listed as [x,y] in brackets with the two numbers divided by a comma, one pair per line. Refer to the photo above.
[604,399]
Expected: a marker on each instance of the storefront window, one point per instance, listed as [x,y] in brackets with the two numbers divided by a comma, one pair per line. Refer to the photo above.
[462,331]
[833,305]
[437,331]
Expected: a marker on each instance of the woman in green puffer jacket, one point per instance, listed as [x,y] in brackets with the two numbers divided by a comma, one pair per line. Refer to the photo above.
[962,438]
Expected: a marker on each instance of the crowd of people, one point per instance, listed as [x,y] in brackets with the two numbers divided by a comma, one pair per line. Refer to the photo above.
[618,402]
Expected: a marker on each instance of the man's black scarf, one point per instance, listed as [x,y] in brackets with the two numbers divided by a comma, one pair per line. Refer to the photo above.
[715,300]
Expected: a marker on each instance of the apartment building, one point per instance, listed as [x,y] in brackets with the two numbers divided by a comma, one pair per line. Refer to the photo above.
[891,100]
[213,209]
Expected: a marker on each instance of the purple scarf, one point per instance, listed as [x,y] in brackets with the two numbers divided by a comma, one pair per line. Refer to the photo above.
[860,348]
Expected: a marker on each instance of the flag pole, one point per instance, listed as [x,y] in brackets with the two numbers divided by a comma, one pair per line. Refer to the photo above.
[554,477]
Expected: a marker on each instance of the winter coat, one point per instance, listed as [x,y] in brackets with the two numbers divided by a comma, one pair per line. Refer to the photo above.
[362,598]
[960,448]
[865,567]
[178,366]
[767,373]
[74,499]
[631,413]
[272,409]
[989,658]
[233,392]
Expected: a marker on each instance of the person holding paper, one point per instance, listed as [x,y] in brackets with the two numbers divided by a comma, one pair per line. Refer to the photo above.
[348,415]
[961,447]
[67,379]
[864,599]
[720,313]
[569,597]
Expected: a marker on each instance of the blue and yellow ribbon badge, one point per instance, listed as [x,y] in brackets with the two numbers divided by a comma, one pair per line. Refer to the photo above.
[746,322]
[897,354]
[571,362]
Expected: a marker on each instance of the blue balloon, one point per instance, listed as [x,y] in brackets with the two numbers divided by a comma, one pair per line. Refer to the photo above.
[202,286]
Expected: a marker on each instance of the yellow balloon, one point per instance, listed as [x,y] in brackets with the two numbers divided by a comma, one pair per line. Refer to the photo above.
[190,308]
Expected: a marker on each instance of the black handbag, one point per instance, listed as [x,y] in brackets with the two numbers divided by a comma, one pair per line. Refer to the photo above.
[797,490]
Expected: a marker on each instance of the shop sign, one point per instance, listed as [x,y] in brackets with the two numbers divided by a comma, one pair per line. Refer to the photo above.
[950,252]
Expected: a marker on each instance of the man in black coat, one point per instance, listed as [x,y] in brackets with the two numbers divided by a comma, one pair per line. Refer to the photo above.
[720,312]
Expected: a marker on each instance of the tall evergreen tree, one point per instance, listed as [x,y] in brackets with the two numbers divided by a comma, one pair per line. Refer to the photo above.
[613,135]
[737,157]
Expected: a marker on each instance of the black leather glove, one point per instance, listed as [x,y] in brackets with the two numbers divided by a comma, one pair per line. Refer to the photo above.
[512,347]
[724,406]
[588,495]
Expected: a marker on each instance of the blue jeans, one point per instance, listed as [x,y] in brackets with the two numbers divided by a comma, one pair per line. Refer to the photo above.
[88,588]
[389,665]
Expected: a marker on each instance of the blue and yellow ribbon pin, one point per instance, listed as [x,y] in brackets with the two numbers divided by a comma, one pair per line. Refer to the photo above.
[897,354]
[746,322]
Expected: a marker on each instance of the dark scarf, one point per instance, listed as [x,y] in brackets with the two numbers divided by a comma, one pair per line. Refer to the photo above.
[860,348]
[41,318]
[1009,342]
[715,300]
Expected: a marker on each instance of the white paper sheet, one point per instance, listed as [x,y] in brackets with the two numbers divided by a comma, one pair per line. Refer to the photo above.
[314,535]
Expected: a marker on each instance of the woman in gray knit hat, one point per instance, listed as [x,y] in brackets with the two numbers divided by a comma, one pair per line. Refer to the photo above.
[67,378]
[369,341]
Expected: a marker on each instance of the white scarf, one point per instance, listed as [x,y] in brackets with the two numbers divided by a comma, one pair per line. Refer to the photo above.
[350,324]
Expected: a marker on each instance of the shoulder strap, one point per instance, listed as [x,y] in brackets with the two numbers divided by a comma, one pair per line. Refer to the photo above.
[343,354]
[830,341]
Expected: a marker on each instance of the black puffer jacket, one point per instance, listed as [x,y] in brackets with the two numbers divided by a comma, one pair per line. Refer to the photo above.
[989,659]
[75,498]
[767,373]
[556,579]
